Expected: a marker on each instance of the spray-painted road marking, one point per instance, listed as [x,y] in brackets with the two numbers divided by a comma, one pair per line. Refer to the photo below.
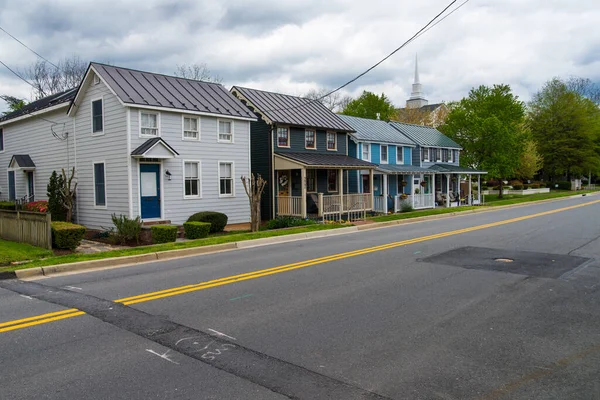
[73,312]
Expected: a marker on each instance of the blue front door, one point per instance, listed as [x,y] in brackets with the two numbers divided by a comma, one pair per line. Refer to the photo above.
[150,190]
[11,185]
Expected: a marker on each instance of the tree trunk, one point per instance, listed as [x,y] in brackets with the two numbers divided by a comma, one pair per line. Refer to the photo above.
[501,191]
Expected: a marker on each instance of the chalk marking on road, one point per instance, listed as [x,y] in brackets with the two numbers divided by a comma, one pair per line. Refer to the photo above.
[241,297]
[73,287]
[163,356]
[141,298]
[27,297]
[222,334]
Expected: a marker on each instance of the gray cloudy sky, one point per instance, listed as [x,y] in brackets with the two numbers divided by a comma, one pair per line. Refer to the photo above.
[292,46]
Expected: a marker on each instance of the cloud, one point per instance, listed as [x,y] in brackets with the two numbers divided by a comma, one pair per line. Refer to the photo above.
[293,46]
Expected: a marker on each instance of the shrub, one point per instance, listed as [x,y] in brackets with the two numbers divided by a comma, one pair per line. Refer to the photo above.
[196,230]
[217,220]
[483,187]
[563,185]
[66,235]
[497,187]
[287,222]
[525,187]
[534,186]
[406,207]
[163,233]
[36,206]
[515,182]
[7,205]
[126,229]
[55,199]
[518,187]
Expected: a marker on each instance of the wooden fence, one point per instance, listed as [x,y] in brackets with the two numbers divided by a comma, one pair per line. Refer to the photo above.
[26,227]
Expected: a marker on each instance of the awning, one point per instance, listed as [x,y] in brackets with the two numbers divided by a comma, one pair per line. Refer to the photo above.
[403,169]
[21,161]
[455,169]
[319,160]
[154,148]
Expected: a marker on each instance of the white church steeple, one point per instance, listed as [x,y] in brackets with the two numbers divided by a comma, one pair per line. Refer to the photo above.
[417,100]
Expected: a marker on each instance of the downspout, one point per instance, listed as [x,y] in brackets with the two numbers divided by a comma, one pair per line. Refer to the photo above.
[128,155]
[76,172]
[273,173]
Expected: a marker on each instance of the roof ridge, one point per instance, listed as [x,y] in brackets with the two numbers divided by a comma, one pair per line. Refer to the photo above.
[268,91]
[420,126]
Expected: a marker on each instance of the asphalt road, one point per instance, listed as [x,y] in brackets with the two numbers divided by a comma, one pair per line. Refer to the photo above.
[417,311]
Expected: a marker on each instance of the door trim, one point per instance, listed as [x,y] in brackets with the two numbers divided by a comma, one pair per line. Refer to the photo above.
[162,190]
[32,186]
[14,172]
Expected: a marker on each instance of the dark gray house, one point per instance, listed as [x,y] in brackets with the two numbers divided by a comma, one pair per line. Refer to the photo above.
[301,148]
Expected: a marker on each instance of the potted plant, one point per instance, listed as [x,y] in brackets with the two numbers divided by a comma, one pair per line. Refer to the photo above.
[403,196]
[404,183]
[417,191]
[423,184]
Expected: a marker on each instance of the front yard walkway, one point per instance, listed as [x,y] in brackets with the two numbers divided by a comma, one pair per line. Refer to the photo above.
[90,247]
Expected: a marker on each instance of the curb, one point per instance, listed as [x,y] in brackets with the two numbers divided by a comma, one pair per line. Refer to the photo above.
[194,251]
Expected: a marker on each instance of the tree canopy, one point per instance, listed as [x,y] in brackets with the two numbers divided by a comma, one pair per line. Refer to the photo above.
[489,125]
[14,103]
[565,123]
[368,105]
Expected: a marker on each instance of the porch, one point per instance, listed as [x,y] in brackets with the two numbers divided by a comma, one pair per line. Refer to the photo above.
[454,185]
[315,186]
[402,186]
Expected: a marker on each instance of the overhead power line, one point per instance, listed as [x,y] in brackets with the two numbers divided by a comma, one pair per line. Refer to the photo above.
[420,32]
[17,75]
[29,48]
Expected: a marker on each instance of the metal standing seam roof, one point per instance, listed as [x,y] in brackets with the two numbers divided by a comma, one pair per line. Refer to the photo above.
[46,102]
[157,90]
[425,135]
[292,110]
[149,144]
[404,169]
[455,169]
[375,130]
[327,160]
[22,160]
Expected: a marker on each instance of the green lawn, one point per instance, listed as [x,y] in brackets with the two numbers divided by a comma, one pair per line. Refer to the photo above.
[13,251]
[490,201]
[219,239]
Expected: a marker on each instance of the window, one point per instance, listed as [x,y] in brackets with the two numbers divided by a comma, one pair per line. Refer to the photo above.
[438,154]
[226,179]
[332,180]
[366,152]
[309,139]
[191,128]
[399,155]
[1,140]
[192,179]
[450,155]
[97,117]
[311,180]
[283,137]
[226,131]
[99,185]
[424,154]
[331,141]
[445,155]
[148,124]
[384,154]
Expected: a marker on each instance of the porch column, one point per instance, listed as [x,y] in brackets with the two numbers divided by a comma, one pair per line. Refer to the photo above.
[433,188]
[341,189]
[470,202]
[447,190]
[371,188]
[303,185]
[479,189]
[385,193]
[412,191]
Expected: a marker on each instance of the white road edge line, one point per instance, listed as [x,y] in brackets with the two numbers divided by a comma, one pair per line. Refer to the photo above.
[222,334]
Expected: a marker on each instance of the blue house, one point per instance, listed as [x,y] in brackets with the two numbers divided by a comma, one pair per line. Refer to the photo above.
[437,153]
[378,142]
[301,148]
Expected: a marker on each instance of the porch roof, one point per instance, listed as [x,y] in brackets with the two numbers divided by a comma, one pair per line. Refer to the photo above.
[403,169]
[316,160]
[455,169]
[22,161]
[154,148]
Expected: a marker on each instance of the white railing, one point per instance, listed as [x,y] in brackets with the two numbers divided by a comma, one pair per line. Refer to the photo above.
[289,205]
[416,201]
[331,204]
[357,202]
[378,204]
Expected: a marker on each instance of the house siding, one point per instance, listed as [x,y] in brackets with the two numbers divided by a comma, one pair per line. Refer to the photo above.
[352,177]
[209,152]
[260,147]
[111,148]
[408,152]
[34,136]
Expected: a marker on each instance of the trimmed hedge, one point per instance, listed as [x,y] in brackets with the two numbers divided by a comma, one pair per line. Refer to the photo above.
[196,230]
[217,220]
[287,222]
[163,233]
[534,186]
[66,235]
[518,187]
[563,185]
[7,205]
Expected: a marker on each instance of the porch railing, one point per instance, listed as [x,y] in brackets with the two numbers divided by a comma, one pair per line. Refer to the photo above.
[289,206]
[420,201]
[357,202]
[378,206]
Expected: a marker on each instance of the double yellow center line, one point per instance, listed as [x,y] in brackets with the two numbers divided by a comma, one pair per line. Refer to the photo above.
[72,312]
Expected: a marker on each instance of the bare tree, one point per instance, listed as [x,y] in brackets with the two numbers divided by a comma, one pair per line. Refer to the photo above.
[335,102]
[68,193]
[197,72]
[254,188]
[584,87]
[48,79]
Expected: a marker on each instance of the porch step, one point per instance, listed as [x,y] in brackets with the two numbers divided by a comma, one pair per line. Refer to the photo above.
[158,222]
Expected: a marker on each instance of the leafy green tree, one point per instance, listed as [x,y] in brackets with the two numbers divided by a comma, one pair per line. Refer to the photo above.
[368,105]
[566,126]
[14,103]
[531,161]
[55,198]
[489,125]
